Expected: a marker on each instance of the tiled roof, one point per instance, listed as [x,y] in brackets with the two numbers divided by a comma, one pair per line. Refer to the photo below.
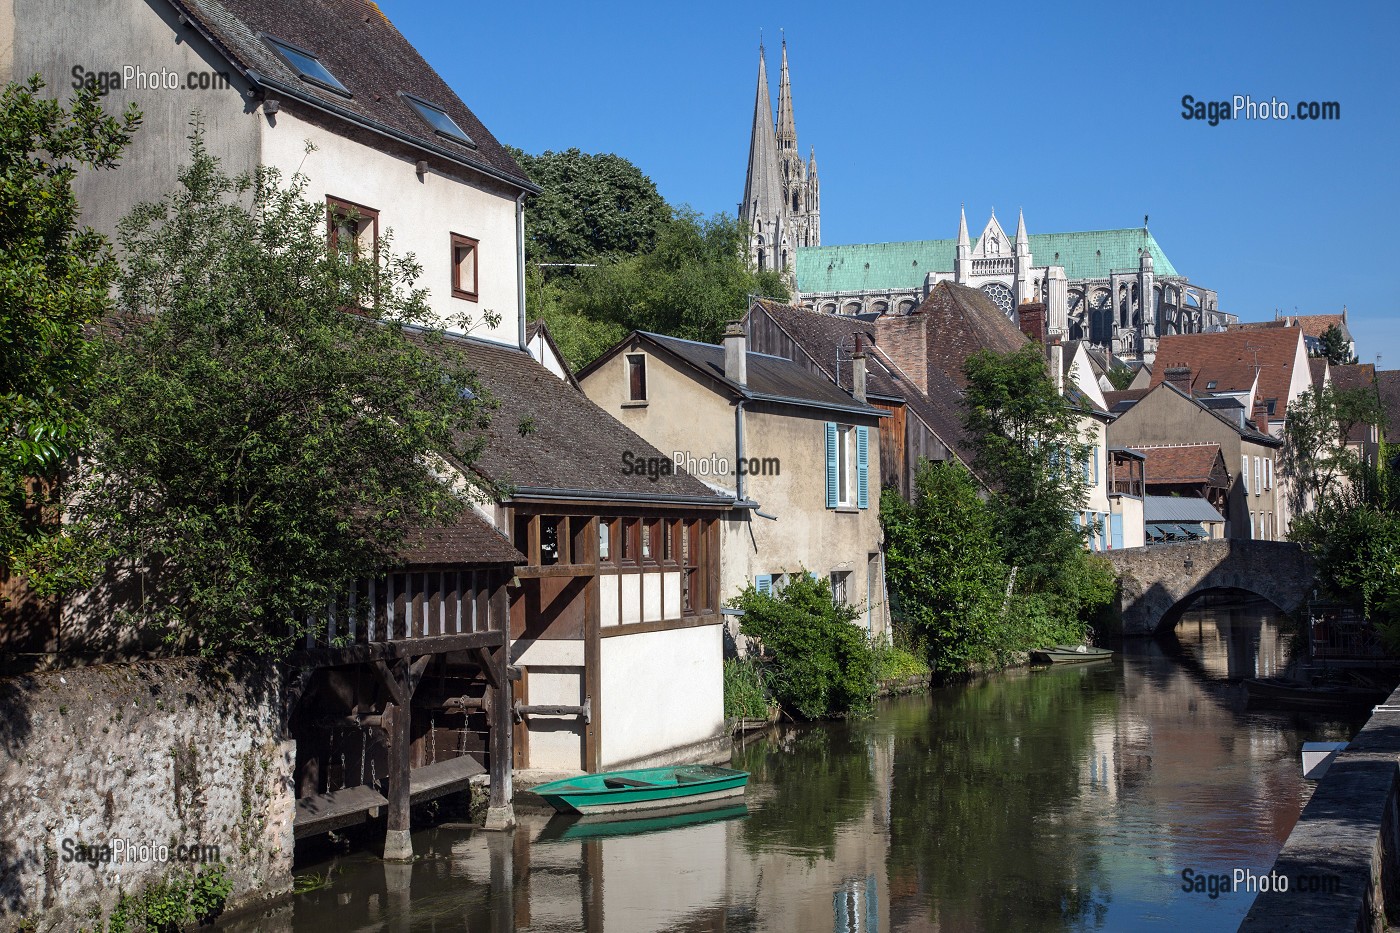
[959,321]
[1121,400]
[1314,325]
[1354,376]
[471,540]
[364,51]
[1317,367]
[1178,509]
[770,377]
[1194,463]
[546,436]
[819,335]
[1229,358]
[860,266]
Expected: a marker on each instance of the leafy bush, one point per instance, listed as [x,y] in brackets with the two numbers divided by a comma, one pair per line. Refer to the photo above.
[173,903]
[744,693]
[817,662]
[896,665]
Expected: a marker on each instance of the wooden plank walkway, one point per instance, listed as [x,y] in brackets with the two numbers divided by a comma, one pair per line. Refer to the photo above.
[324,812]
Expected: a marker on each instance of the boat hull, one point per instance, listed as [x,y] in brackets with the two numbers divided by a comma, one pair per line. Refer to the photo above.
[1294,695]
[1069,654]
[641,790]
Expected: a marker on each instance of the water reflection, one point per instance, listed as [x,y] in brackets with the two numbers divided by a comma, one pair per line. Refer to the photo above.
[1064,799]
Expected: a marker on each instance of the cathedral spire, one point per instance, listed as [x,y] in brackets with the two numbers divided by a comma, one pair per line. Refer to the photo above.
[1021,239]
[963,241]
[787,126]
[763,186]
[812,164]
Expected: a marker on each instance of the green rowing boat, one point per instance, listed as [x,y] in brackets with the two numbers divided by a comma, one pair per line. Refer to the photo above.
[642,789]
[1070,654]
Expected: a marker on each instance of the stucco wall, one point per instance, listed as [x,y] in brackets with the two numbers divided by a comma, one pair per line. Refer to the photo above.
[158,752]
[52,37]
[556,678]
[422,211]
[661,690]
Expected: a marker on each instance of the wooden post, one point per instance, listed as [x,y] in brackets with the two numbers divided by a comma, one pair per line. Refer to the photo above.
[398,845]
[500,814]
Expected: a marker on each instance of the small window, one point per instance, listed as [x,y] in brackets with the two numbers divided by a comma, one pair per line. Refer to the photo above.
[307,66]
[352,227]
[438,119]
[838,586]
[1211,384]
[604,540]
[636,377]
[646,541]
[843,466]
[627,543]
[464,267]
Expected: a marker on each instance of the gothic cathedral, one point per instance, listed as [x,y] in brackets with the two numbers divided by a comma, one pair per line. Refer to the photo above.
[782,196]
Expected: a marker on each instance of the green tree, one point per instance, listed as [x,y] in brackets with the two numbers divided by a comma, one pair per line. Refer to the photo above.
[1025,434]
[55,284]
[695,279]
[1334,346]
[1120,377]
[593,206]
[954,613]
[817,661]
[257,446]
[1315,458]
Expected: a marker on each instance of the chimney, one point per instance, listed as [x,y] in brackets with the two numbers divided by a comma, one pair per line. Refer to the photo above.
[736,360]
[1057,368]
[1179,376]
[858,372]
[1031,315]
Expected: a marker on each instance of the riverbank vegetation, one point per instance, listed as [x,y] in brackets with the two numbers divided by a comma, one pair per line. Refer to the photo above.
[1347,511]
[976,581]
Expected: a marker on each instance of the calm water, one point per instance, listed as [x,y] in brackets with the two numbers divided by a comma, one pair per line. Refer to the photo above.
[1065,799]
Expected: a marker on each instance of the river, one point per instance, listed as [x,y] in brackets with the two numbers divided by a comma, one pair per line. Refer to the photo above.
[1071,798]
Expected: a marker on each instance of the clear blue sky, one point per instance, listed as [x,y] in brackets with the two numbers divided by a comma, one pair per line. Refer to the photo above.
[914,108]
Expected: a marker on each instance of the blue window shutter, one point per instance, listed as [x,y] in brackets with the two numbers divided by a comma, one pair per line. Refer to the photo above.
[764,583]
[1096,467]
[1078,519]
[862,467]
[1086,469]
[831,474]
[1115,523]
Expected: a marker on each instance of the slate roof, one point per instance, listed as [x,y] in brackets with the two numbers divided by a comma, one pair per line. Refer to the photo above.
[1228,358]
[547,439]
[1354,376]
[1185,465]
[1317,368]
[1119,401]
[770,378]
[1178,509]
[471,540]
[860,266]
[363,50]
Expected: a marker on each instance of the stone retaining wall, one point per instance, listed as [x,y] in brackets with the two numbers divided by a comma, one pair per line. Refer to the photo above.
[1341,858]
[163,753]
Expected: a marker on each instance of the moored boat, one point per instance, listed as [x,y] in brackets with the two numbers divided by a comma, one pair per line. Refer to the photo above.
[643,789]
[1069,654]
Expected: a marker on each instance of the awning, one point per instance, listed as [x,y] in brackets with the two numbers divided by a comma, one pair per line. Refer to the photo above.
[1194,529]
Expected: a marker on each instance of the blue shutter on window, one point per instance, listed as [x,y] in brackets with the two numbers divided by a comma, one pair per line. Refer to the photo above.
[1115,523]
[862,467]
[1095,480]
[831,474]
[764,583]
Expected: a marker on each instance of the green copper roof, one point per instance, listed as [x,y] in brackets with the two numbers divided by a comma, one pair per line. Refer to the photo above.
[859,266]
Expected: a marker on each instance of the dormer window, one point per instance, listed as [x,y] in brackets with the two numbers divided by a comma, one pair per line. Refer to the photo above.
[1211,384]
[306,65]
[438,119]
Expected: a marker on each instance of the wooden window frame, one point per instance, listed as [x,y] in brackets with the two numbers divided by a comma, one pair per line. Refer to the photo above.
[341,208]
[472,294]
[636,362]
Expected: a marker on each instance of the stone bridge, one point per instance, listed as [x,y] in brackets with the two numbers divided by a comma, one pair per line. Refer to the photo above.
[1156,583]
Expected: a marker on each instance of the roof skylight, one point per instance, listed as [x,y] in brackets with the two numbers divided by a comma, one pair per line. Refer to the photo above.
[438,119]
[307,66]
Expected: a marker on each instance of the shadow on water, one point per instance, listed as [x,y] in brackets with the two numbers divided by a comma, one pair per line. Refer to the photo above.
[1071,798]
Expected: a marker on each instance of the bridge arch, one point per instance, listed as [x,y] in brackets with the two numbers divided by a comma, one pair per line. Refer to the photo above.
[1158,582]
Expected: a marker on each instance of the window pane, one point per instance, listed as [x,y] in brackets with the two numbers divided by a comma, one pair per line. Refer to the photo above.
[604,541]
[307,66]
[637,378]
[439,121]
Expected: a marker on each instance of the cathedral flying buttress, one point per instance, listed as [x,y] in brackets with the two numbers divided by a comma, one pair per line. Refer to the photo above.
[1091,284]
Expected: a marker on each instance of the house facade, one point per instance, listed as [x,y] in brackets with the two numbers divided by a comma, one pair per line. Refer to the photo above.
[1165,417]
[331,91]
[795,456]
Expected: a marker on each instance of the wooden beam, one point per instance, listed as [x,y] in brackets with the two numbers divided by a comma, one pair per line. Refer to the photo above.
[397,844]
[391,684]
[398,648]
[665,625]
[520,738]
[501,732]
[483,661]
